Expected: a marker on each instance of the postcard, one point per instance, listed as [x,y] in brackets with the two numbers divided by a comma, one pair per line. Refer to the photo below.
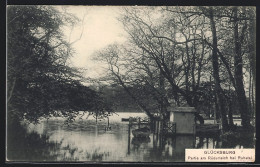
[130,83]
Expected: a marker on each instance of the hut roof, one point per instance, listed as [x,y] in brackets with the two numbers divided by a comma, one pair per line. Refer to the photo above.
[183,109]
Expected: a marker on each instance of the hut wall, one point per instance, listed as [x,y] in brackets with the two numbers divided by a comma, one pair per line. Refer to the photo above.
[185,122]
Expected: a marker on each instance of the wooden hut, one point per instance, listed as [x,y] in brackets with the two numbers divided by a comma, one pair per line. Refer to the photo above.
[184,119]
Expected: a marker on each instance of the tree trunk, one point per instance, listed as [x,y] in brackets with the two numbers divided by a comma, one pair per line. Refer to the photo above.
[162,100]
[219,91]
[11,90]
[253,98]
[216,107]
[238,63]
[249,92]
[142,106]
[230,112]
[252,45]
[252,55]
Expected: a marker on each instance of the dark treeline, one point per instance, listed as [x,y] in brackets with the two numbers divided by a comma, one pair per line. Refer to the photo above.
[40,81]
[201,57]
[120,101]
[117,97]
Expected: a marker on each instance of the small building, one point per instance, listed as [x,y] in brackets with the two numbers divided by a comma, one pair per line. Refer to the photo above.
[184,119]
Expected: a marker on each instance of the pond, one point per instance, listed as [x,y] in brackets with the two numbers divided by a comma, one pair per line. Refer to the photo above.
[84,140]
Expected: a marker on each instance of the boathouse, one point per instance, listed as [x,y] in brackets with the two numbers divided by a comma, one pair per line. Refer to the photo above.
[184,119]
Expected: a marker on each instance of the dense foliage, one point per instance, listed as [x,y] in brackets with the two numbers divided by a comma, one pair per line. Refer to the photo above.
[40,81]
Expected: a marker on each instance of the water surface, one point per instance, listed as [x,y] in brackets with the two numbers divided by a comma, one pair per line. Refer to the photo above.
[86,140]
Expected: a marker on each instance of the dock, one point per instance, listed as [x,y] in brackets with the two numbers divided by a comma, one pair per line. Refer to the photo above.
[170,128]
[207,128]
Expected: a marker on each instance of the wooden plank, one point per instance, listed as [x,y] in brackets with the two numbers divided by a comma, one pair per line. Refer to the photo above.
[143,123]
[125,119]
[206,128]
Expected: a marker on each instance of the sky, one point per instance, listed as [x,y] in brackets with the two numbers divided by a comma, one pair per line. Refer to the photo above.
[99,29]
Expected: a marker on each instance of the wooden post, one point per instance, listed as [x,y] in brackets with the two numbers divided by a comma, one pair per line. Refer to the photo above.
[139,122]
[175,128]
[96,116]
[213,142]
[207,142]
[108,122]
[158,127]
[155,127]
[160,141]
[154,142]
[194,135]
[129,137]
[194,128]
[194,141]
[210,112]
[215,115]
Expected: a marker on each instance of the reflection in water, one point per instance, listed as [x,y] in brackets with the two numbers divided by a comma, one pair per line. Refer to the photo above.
[83,140]
[137,141]
[22,146]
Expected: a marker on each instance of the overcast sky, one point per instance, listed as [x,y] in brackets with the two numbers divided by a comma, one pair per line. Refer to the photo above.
[101,28]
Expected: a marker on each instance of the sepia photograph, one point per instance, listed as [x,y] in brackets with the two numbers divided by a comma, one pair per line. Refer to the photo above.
[130,83]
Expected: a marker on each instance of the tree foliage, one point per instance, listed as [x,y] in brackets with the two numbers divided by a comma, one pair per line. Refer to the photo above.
[41,82]
[173,52]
